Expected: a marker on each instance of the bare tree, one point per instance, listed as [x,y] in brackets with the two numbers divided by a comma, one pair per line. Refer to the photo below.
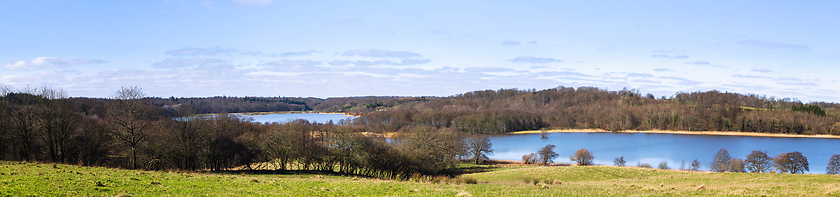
[547,154]
[833,165]
[132,120]
[479,148]
[4,90]
[720,160]
[583,157]
[129,93]
[792,162]
[619,161]
[758,162]
[695,165]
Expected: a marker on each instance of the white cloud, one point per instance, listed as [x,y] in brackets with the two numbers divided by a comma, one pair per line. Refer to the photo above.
[761,70]
[699,62]
[532,59]
[750,76]
[42,63]
[511,43]
[204,63]
[284,62]
[193,51]
[379,62]
[682,81]
[643,75]
[253,2]
[671,57]
[771,44]
[282,54]
[380,53]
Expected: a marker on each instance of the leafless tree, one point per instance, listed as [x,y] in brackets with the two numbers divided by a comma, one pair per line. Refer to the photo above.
[479,148]
[132,120]
[695,165]
[792,162]
[758,162]
[833,165]
[547,154]
[720,160]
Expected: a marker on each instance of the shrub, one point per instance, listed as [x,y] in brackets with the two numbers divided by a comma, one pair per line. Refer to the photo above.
[735,165]
[470,180]
[583,157]
[645,165]
[663,165]
[530,158]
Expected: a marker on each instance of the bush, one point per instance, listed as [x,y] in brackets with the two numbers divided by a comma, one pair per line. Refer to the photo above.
[645,165]
[663,165]
[583,157]
[735,165]
[530,158]
[470,180]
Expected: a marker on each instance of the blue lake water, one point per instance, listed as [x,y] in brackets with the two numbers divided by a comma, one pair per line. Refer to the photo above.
[655,148]
[635,147]
[311,117]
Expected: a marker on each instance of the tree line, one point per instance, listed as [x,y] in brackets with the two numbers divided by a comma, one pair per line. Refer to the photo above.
[130,131]
[510,110]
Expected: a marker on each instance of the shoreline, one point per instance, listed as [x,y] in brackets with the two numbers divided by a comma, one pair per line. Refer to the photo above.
[278,112]
[719,133]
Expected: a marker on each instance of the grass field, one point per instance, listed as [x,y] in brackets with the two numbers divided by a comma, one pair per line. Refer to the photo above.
[33,179]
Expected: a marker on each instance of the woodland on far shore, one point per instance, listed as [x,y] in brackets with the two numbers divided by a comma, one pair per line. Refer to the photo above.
[510,110]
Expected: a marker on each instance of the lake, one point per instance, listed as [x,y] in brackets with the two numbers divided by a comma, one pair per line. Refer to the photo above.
[655,148]
[635,147]
[311,117]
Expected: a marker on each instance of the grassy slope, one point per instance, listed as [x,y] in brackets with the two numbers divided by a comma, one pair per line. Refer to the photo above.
[21,179]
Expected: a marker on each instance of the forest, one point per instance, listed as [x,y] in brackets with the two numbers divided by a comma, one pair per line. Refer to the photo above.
[132,130]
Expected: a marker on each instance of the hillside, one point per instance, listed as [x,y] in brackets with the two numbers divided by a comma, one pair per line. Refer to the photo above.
[24,179]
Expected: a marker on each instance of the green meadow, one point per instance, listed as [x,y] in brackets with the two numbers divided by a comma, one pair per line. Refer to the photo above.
[36,179]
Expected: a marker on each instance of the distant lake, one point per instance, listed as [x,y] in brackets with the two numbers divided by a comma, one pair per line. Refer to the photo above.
[311,117]
[655,148]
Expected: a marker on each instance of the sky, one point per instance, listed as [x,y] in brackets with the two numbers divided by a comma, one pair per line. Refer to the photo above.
[186,48]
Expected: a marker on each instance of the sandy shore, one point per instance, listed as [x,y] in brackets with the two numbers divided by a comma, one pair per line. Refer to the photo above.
[726,133]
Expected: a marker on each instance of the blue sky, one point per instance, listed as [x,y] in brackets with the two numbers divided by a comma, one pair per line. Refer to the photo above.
[342,48]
